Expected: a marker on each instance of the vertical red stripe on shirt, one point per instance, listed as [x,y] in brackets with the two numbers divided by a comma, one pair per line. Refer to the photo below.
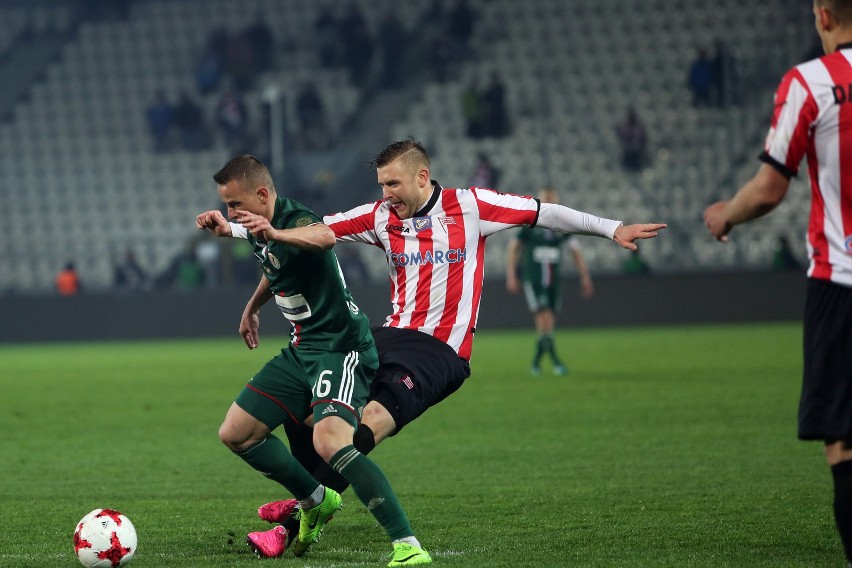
[841,75]
[801,137]
[467,345]
[816,224]
[423,292]
[457,240]
[397,246]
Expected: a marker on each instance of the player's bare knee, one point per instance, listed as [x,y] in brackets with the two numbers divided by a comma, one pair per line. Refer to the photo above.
[838,451]
[239,436]
[379,420]
[331,435]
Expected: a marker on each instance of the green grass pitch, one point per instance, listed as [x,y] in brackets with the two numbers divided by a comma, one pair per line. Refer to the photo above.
[664,446]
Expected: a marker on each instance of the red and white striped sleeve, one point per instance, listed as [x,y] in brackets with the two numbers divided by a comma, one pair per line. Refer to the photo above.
[499,211]
[355,225]
[789,135]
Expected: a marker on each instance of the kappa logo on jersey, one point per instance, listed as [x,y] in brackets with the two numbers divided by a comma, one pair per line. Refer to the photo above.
[330,410]
[397,229]
[422,223]
[451,256]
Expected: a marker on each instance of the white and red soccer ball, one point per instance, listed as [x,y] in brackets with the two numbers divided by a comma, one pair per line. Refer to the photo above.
[104,539]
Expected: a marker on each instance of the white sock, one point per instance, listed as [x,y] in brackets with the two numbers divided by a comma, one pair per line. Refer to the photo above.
[313,499]
[409,540]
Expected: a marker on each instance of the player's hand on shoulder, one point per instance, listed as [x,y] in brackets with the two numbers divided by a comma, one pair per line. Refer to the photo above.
[626,234]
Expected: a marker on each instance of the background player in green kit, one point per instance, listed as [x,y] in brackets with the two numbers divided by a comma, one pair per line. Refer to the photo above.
[540,253]
[323,378]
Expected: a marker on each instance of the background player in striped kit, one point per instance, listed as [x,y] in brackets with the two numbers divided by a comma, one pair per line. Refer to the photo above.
[434,243]
[540,253]
[813,117]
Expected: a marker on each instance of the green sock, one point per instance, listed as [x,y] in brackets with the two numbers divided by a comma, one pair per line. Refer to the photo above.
[373,490]
[539,351]
[272,458]
[550,347]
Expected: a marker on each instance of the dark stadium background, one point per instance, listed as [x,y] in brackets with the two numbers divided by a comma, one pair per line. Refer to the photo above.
[81,180]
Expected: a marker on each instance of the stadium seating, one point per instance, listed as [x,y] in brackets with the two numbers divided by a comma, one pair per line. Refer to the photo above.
[77,166]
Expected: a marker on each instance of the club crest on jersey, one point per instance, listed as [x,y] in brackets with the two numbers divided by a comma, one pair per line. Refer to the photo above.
[422,223]
[848,244]
[447,221]
[274,260]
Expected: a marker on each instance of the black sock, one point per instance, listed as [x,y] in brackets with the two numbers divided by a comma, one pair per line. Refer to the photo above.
[842,474]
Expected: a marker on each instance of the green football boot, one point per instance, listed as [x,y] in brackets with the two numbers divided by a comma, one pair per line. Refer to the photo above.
[312,521]
[406,555]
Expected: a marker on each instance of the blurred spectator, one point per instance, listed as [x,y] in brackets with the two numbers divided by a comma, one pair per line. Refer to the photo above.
[211,64]
[313,133]
[441,52]
[358,44]
[262,42]
[438,26]
[461,20]
[484,173]
[783,257]
[392,39]
[68,281]
[232,119]
[325,29]
[494,98]
[701,79]
[189,120]
[472,109]
[634,141]
[128,274]
[240,62]
[159,114]
[724,74]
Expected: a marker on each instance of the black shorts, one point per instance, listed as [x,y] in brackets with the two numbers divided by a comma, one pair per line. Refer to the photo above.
[416,371]
[825,408]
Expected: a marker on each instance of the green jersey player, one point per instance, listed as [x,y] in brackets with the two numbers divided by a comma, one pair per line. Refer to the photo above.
[322,378]
[540,252]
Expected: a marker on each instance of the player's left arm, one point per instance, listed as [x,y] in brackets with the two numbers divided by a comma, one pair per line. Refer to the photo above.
[567,220]
[317,236]
[757,197]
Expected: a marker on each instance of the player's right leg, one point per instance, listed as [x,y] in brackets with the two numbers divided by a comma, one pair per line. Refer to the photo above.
[278,393]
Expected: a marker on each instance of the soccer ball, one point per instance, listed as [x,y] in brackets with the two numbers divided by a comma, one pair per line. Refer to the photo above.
[104,539]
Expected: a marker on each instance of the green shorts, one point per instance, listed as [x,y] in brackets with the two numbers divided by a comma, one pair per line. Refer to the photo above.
[301,381]
[541,297]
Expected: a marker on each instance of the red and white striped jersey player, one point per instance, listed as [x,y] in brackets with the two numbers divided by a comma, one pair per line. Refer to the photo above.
[813,117]
[434,242]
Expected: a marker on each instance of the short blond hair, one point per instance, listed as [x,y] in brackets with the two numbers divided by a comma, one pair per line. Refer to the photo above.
[410,151]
